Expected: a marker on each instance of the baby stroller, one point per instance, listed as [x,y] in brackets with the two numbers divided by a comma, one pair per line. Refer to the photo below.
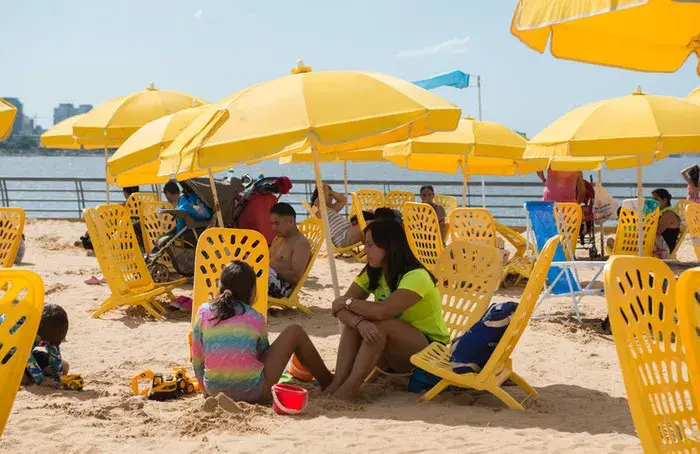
[587,234]
[236,198]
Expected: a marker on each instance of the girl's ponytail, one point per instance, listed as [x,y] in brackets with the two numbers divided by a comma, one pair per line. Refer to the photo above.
[236,288]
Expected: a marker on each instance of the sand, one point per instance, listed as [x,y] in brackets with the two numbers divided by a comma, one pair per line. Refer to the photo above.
[581,408]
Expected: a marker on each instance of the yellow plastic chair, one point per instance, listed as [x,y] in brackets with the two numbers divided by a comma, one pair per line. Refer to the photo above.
[216,248]
[641,295]
[448,202]
[692,219]
[136,200]
[474,225]
[21,303]
[688,301]
[155,224]
[312,229]
[569,217]
[122,264]
[357,250]
[11,229]
[520,263]
[626,236]
[423,232]
[436,357]
[681,237]
[396,199]
[371,199]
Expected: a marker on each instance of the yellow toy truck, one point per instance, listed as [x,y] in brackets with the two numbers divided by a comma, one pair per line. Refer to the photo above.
[164,387]
[74,382]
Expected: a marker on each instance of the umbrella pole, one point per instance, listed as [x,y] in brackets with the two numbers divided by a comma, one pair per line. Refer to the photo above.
[345,180]
[602,230]
[640,208]
[324,218]
[465,181]
[106,175]
[217,208]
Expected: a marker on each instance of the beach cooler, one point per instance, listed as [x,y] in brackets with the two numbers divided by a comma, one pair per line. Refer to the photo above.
[543,226]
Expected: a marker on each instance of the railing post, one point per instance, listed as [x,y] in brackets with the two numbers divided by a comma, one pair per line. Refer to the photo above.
[3,194]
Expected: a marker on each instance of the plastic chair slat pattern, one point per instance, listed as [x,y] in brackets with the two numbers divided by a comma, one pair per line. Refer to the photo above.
[423,232]
[519,263]
[569,217]
[474,225]
[11,229]
[688,301]
[21,303]
[448,202]
[396,199]
[155,224]
[692,219]
[136,200]
[312,229]
[371,199]
[641,295]
[436,357]
[626,235]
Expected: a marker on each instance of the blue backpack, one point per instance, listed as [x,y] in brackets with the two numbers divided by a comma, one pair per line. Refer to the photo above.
[471,351]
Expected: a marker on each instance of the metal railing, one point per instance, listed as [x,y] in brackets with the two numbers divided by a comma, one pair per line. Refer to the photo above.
[65,198]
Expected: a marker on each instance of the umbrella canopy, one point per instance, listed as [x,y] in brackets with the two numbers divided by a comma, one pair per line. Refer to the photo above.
[634,125]
[365,155]
[331,110]
[644,35]
[7,118]
[61,136]
[694,95]
[136,162]
[117,119]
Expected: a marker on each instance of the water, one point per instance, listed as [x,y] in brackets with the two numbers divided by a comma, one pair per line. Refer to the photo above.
[662,172]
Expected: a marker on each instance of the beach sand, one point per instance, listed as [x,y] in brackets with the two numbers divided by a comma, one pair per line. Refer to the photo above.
[581,408]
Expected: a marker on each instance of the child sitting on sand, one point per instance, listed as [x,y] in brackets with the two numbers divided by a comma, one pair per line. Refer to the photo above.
[230,350]
[45,358]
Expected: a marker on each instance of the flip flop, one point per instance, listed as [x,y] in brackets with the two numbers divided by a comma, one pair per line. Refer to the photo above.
[95,281]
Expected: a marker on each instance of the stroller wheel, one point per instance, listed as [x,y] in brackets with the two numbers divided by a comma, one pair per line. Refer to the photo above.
[160,273]
[183,262]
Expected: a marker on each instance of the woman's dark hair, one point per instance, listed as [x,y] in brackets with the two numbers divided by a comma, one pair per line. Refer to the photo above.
[128,190]
[314,196]
[427,186]
[694,174]
[53,326]
[236,285]
[387,214]
[662,193]
[390,236]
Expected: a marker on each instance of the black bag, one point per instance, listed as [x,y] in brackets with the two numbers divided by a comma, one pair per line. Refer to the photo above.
[87,243]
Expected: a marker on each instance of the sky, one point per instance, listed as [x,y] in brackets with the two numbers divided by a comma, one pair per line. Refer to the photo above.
[89,51]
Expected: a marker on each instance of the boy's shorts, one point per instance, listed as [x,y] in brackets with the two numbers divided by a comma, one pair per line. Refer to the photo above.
[42,359]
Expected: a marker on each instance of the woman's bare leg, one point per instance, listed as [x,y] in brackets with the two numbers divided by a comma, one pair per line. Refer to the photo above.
[350,341]
[400,341]
[293,340]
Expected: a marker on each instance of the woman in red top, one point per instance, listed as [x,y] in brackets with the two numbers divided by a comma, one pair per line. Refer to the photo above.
[560,186]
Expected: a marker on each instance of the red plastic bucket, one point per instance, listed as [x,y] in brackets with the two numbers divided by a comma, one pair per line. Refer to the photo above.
[289,399]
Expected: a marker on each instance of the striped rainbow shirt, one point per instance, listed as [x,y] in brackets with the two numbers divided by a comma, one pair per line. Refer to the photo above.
[225,354]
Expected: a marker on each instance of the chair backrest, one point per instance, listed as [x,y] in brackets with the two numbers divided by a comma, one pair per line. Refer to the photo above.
[688,303]
[627,237]
[467,275]
[680,208]
[500,358]
[155,224]
[135,200]
[309,209]
[568,217]
[475,225]
[357,209]
[448,202]
[21,303]
[641,295]
[312,229]
[371,198]
[518,241]
[692,220]
[423,232]
[396,199]
[216,248]
[11,229]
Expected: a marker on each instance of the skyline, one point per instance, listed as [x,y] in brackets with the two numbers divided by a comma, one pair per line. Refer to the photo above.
[85,53]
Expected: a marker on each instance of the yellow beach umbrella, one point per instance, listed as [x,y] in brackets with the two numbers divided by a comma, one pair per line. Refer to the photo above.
[7,118]
[323,111]
[61,136]
[694,95]
[638,125]
[114,121]
[136,162]
[477,147]
[644,35]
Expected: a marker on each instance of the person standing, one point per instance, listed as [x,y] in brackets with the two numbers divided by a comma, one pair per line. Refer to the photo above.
[563,186]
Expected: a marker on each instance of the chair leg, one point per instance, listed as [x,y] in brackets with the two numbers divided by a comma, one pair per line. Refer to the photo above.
[504,397]
[148,305]
[108,304]
[522,384]
[372,375]
[437,389]
[302,308]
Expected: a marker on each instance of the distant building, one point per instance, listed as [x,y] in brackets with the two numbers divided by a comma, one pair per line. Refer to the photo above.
[66,110]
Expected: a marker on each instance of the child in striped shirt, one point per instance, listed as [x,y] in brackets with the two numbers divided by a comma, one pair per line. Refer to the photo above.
[230,350]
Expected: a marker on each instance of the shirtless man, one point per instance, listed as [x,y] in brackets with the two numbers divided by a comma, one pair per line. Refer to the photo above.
[289,254]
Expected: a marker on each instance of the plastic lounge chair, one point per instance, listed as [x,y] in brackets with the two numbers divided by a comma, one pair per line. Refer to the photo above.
[135,201]
[122,264]
[436,357]
[155,224]
[467,276]
[627,237]
[371,199]
[474,225]
[521,262]
[448,202]
[641,295]
[681,237]
[396,199]
[692,220]
[688,302]
[423,232]
[312,229]
[11,229]
[569,217]
[21,303]
[357,250]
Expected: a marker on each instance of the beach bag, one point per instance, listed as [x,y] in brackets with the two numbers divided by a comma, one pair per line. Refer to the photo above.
[421,380]
[470,352]
[604,205]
